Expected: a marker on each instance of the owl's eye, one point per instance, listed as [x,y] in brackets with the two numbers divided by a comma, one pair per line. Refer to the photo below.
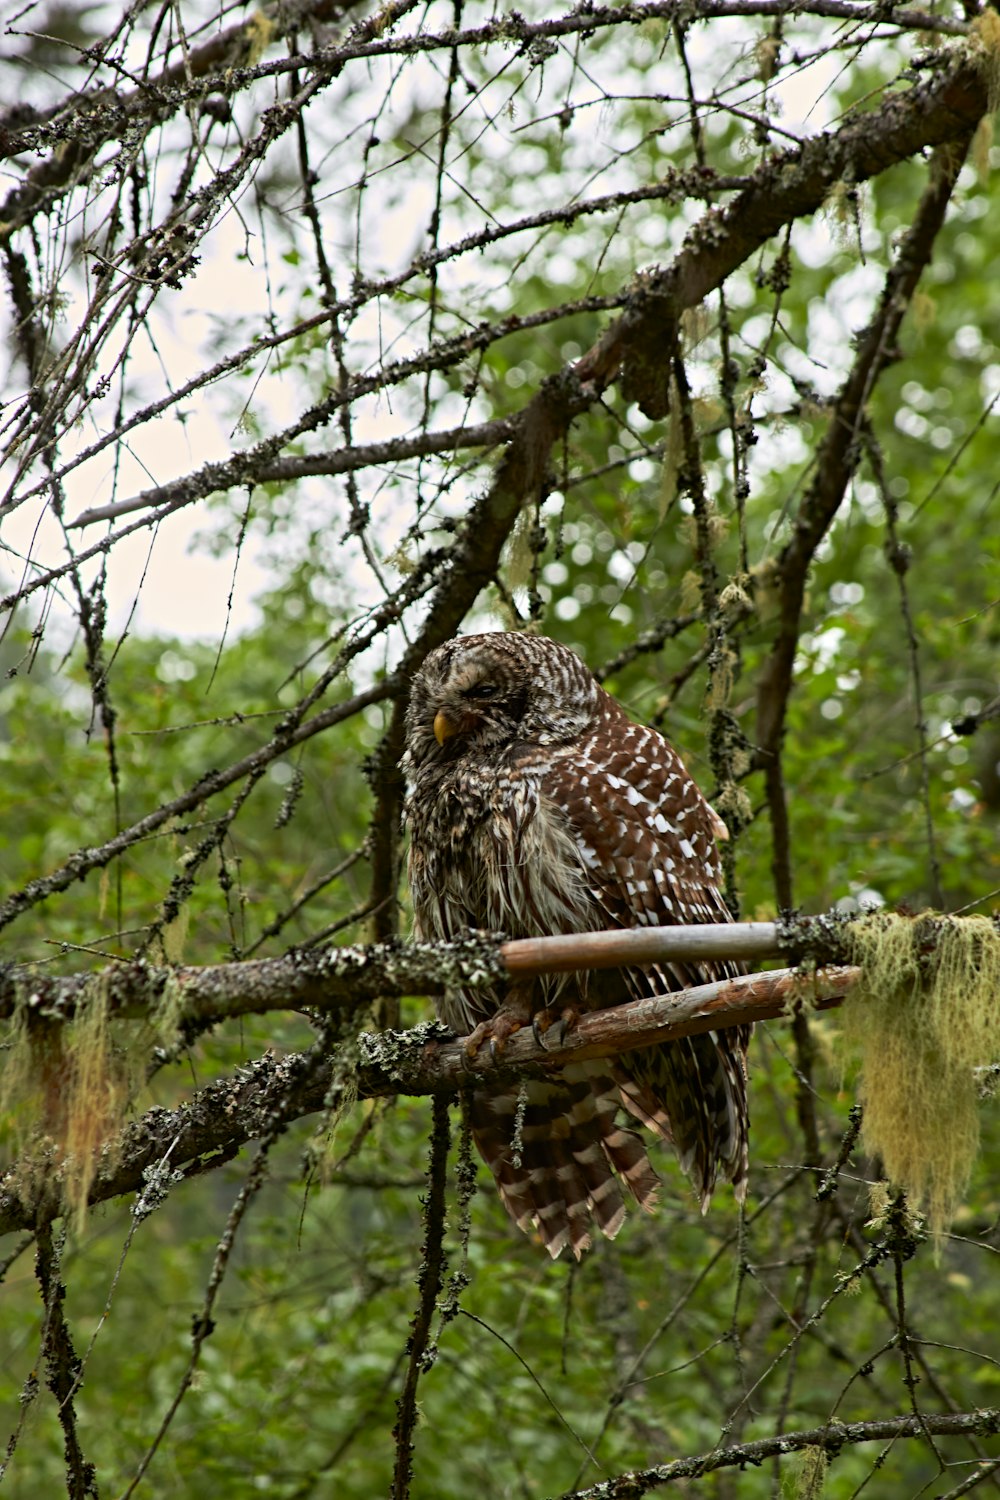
[482,690]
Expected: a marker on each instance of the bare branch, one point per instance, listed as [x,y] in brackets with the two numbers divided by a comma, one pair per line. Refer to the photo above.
[789,185]
[831,1438]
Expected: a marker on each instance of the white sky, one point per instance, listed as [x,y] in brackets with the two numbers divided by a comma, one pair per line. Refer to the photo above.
[176,588]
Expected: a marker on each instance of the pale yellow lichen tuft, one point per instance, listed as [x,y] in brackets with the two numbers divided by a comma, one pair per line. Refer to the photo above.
[257,34]
[721,684]
[982,142]
[735,598]
[733,805]
[707,412]
[807,1475]
[673,448]
[765,582]
[403,558]
[923,1018]
[521,550]
[690,591]
[924,310]
[984,45]
[66,1086]
[695,326]
[842,211]
[766,54]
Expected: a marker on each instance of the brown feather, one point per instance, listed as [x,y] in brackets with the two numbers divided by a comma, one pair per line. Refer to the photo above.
[548,810]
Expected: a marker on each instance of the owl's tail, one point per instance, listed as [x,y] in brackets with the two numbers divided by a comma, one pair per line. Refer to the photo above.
[559,1157]
[693,1093]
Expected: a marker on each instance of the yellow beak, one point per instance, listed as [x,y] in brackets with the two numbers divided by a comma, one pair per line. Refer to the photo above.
[444,727]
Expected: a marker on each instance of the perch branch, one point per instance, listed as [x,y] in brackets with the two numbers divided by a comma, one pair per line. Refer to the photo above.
[219,1119]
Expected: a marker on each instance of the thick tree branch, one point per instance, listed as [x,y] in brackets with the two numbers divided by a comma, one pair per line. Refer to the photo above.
[790,185]
[224,1116]
[346,978]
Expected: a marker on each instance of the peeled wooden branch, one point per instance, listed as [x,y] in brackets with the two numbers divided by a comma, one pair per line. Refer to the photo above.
[343,979]
[387,1057]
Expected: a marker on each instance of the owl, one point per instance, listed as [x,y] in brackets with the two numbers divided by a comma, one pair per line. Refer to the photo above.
[536,806]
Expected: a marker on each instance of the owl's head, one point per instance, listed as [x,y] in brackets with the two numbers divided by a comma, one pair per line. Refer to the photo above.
[483,692]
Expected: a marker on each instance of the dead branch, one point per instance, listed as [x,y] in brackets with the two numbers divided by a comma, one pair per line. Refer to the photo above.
[789,185]
[831,1438]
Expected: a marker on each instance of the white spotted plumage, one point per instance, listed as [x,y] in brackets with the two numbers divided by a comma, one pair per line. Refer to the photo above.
[537,806]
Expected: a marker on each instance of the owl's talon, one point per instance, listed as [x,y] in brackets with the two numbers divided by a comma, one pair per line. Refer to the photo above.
[496,1031]
[558,1022]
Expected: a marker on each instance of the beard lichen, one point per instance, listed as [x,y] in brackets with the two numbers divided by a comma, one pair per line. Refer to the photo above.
[67,1084]
[923,1019]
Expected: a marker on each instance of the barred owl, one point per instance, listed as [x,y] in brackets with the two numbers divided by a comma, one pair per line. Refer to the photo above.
[536,806]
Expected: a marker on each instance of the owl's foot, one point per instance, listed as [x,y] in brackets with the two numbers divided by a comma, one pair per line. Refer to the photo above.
[496,1031]
[556,1021]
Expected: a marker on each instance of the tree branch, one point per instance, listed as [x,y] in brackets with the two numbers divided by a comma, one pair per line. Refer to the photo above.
[219,1119]
[789,185]
[86,859]
[831,1438]
[840,450]
[346,978]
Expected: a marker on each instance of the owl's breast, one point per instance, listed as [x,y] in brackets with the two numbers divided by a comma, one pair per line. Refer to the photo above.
[494,852]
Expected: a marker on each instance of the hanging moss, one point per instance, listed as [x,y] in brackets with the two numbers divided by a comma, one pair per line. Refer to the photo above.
[925,1016]
[807,1477]
[66,1086]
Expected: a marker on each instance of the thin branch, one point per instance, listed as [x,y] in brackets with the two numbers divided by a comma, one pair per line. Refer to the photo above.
[343,461]
[840,450]
[88,858]
[421,1351]
[831,1438]
[61,1365]
[789,185]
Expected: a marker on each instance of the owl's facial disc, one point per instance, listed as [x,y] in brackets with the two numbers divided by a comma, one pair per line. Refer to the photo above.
[478,700]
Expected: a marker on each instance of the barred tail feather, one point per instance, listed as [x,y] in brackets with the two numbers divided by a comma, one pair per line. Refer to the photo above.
[558,1169]
[693,1093]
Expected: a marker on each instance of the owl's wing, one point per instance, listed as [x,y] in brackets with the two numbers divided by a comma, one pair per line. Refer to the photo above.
[646,838]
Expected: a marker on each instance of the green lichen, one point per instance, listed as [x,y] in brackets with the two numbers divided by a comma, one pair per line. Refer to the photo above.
[807,1476]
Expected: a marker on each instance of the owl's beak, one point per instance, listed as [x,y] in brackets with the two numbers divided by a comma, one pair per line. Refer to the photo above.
[444,728]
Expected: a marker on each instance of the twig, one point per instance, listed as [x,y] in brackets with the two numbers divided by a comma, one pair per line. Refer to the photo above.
[421,1352]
